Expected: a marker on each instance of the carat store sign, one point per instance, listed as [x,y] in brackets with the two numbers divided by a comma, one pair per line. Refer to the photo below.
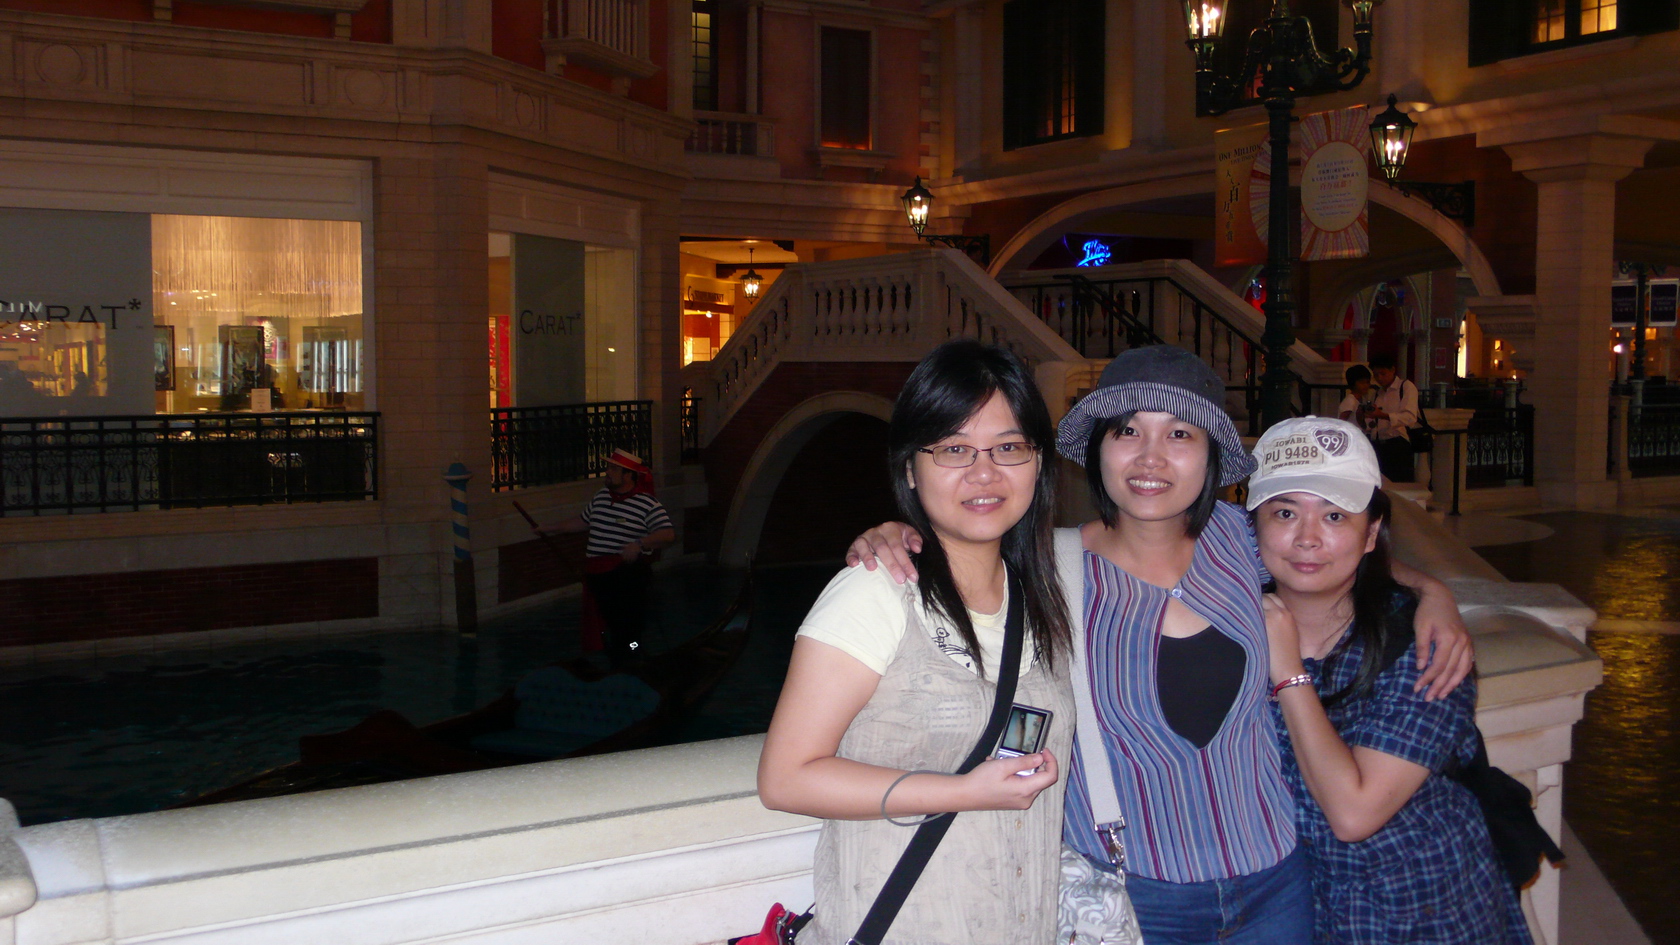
[1335,184]
[75,313]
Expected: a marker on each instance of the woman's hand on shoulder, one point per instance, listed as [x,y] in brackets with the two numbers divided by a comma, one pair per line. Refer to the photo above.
[1439,624]
[995,785]
[889,545]
[1283,642]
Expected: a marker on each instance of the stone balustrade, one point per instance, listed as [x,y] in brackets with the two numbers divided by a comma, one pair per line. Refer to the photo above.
[883,308]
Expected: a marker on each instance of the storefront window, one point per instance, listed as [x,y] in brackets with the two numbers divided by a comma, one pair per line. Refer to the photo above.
[256,314]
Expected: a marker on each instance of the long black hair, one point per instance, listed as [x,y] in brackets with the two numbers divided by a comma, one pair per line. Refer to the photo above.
[1109,511]
[1382,610]
[943,392]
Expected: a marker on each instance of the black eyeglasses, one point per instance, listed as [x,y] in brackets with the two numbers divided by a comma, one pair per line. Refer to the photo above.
[1013,453]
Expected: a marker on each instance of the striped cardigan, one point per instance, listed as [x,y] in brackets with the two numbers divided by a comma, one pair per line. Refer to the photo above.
[1191,814]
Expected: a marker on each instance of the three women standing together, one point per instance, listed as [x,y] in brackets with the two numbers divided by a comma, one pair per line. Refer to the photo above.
[1222,831]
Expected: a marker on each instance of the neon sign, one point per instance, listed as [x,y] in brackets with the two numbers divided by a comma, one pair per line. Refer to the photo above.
[1096,253]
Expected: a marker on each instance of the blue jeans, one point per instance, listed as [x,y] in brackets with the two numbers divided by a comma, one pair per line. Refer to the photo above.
[1271,907]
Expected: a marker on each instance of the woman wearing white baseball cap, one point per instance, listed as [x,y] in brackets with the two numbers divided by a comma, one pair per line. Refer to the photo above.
[1401,851]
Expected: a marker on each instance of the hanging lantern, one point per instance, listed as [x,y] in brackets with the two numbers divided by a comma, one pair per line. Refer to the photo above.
[918,203]
[1391,139]
[752,280]
[1362,12]
[1204,20]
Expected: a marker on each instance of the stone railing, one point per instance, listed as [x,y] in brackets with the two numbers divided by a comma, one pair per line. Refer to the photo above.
[610,36]
[732,133]
[667,846]
[882,308]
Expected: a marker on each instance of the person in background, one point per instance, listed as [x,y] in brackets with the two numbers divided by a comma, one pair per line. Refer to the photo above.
[1395,408]
[1401,851]
[626,525]
[1358,395]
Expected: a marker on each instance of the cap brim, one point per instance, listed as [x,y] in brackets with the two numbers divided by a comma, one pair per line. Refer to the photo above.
[1350,496]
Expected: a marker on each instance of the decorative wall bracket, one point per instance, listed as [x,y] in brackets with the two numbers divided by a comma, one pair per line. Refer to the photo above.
[1453,201]
[972,245]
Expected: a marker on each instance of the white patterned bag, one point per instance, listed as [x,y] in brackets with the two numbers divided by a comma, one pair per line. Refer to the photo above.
[1093,908]
[1092,905]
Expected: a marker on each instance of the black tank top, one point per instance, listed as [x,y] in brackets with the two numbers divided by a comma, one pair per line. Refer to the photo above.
[1197,679]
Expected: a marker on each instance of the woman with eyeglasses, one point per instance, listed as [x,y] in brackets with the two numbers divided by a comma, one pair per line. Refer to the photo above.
[891,684]
[1169,591]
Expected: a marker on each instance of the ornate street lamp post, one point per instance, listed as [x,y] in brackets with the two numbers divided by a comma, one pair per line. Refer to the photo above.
[918,205]
[1285,58]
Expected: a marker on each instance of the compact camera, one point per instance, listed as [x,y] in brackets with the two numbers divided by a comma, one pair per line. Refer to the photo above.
[1023,733]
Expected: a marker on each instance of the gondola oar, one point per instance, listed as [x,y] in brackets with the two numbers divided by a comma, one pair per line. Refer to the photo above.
[548,540]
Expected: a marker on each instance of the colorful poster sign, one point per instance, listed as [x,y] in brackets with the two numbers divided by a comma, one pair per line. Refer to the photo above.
[1239,213]
[1334,183]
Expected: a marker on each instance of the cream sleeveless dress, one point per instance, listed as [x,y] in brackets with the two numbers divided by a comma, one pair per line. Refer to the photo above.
[994,878]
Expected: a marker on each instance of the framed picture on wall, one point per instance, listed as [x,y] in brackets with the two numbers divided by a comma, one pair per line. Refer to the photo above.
[242,358]
[163,357]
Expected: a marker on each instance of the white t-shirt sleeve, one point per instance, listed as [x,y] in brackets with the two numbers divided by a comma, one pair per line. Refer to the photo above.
[860,613]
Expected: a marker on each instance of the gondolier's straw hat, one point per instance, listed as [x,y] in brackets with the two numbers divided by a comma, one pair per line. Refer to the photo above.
[628,460]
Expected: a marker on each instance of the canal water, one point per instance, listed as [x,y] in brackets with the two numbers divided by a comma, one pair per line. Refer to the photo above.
[141,732]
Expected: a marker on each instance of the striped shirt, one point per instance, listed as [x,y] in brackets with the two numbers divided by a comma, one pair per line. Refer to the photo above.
[612,525]
[1191,815]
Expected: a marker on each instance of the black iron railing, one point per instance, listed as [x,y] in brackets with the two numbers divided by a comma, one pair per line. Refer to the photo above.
[688,420]
[1102,318]
[59,465]
[536,446]
[1653,440]
[1498,445]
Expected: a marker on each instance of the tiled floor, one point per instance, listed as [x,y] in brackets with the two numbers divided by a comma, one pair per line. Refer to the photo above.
[1622,793]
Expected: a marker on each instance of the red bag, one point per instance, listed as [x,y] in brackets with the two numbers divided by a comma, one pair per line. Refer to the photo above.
[780,926]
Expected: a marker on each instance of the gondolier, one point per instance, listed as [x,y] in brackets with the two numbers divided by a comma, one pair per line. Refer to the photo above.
[626,525]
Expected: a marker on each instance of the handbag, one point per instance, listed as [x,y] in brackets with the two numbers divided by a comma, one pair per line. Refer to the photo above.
[781,926]
[1092,905]
[1519,841]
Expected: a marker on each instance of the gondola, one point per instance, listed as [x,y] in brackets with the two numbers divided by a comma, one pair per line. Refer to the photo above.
[562,711]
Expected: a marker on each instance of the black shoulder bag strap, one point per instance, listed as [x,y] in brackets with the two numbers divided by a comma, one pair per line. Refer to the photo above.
[916,855]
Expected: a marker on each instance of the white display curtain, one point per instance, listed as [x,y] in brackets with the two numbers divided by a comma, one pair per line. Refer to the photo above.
[237,268]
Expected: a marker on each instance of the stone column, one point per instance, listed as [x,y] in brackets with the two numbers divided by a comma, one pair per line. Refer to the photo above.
[1576,164]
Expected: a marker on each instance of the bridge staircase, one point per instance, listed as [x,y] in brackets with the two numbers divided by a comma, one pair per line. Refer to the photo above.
[1102,311]
[1067,324]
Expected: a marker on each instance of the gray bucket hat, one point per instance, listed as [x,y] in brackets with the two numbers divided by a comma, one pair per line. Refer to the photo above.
[1163,379]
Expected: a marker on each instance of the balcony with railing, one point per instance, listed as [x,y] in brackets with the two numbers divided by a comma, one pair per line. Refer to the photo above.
[73,465]
[732,144]
[539,446]
[609,36]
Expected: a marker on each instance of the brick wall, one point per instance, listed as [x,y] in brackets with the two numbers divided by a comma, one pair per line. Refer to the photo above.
[137,603]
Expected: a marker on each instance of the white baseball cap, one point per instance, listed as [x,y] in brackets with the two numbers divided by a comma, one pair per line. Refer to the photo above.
[1328,458]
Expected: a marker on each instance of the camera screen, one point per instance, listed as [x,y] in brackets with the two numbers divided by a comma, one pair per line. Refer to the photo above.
[1023,730]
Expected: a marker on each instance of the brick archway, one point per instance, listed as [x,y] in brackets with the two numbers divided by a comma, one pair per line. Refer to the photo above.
[775,452]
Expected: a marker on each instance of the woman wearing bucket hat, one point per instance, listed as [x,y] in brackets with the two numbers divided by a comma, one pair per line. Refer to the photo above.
[1400,848]
[1168,584]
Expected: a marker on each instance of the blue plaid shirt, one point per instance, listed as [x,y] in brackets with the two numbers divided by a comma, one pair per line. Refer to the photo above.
[1429,876]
